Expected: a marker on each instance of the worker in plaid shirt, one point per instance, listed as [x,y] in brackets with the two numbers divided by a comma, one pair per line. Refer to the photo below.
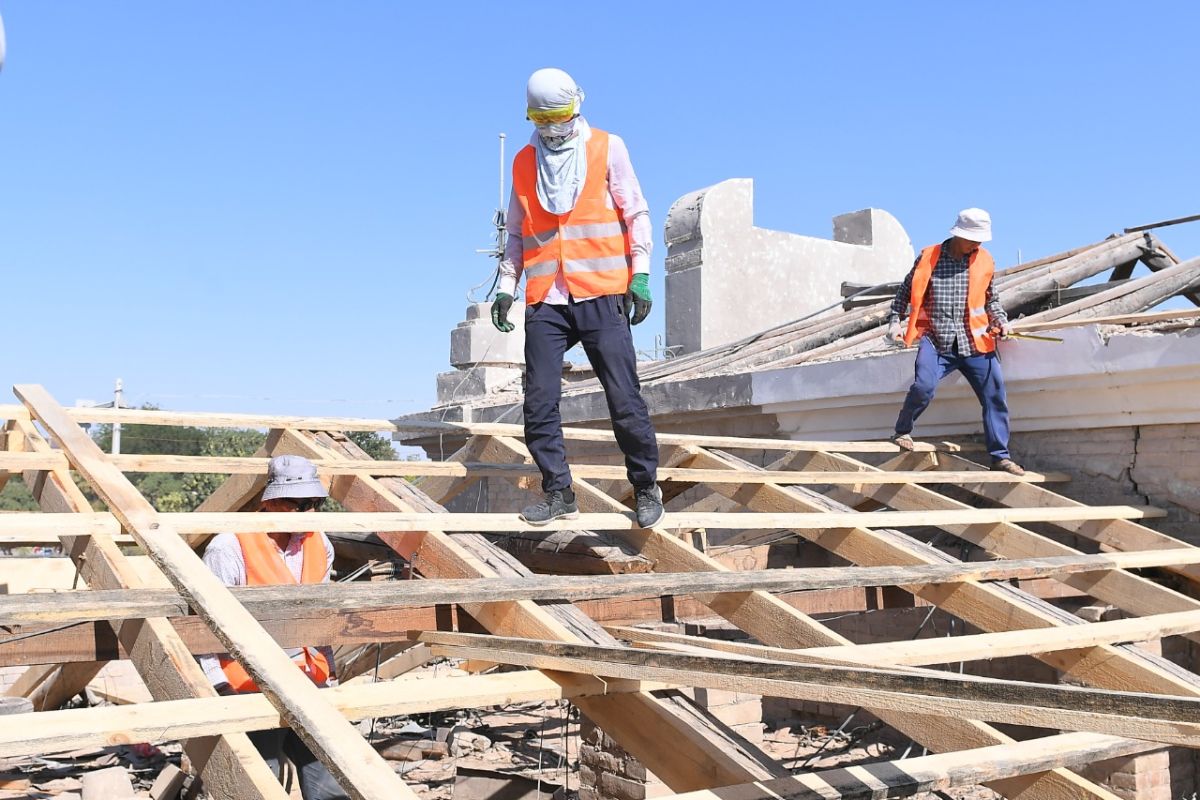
[955,321]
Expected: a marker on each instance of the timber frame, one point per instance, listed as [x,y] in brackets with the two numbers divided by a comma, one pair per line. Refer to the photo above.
[160,606]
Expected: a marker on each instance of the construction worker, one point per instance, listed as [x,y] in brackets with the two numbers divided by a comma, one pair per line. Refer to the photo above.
[955,321]
[272,559]
[579,228]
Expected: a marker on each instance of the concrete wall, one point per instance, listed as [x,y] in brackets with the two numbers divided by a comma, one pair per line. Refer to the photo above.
[727,279]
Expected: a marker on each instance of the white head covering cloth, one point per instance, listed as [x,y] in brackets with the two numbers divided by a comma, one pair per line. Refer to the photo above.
[562,168]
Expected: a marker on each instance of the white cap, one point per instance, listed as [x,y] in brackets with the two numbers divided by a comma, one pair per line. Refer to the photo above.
[551,88]
[973,224]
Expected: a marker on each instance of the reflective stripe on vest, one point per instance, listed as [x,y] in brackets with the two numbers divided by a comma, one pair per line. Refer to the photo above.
[589,244]
[980,267]
[265,567]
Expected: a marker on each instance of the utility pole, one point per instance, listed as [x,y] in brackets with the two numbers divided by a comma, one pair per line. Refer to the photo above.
[118,390]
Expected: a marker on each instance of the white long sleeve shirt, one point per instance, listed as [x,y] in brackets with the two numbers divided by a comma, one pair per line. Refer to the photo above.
[225,559]
[624,193]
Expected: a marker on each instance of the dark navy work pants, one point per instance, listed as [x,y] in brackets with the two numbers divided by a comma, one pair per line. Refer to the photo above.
[984,375]
[316,782]
[600,325]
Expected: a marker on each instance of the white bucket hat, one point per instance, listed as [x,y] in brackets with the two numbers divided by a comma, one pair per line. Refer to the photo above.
[292,476]
[974,224]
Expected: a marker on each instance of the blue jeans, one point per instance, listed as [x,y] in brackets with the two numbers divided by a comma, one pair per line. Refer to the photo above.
[981,371]
[601,326]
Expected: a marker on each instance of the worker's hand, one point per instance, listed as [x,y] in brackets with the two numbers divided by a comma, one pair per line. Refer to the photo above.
[500,309]
[224,689]
[1006,330]
[895,333]
[638,298]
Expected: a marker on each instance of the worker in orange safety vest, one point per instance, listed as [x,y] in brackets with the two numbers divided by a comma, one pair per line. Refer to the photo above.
[279,559]
[955,319]
[579,229]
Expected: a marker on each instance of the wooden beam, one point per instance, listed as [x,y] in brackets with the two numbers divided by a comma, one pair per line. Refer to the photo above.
[314,599]
[770,620]
[915,776]
[476,469]
[700,755]
[1117,535]
[1151,717]
[101,523]
[353,762]
[1122,319]
[146,417]
[56,731]
[990,607]
[948,650]
[1137,595]
[229,767]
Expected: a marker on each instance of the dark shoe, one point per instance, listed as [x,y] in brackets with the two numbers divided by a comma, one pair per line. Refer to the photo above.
[650,510]
[1007,465]
[559,504]
[904,441]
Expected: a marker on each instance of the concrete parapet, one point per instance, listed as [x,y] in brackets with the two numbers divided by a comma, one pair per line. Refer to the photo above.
[715,253]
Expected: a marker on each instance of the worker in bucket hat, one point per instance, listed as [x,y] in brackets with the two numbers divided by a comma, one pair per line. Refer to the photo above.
[280,559]
[955,319]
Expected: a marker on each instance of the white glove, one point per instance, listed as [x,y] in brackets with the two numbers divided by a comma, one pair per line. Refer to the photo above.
[1006,330]
[895,333]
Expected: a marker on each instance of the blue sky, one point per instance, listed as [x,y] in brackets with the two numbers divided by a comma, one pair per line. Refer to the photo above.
[273,206]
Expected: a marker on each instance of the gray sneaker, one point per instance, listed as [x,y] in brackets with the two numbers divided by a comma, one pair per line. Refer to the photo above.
[559,504]
[650,510]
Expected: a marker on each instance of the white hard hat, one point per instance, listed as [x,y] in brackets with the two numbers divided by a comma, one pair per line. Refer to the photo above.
[973,224]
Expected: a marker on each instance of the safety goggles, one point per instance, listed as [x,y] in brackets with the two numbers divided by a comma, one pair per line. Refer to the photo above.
[551,116]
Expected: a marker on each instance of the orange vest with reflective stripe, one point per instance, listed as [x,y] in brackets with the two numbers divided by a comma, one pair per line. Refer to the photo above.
[589,244]
[265,567]
[980,268]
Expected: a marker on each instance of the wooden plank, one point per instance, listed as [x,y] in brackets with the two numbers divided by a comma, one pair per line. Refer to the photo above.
[102,523]
[1135,594]
[770,620]
[353,762]
[56,731]
[1114,535]
[929,773]
[990,607]
[501,523]
[315,599]
[145,417]
[477,469]
[947,650]
[1123,319]
[700,754]
[1151,717]
[229,767]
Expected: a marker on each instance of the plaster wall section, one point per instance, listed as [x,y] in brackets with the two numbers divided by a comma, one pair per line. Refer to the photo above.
[715,254]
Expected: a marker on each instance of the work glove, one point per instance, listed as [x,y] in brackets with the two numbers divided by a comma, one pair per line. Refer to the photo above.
[895,334]
[500,308]
[1006,330]
[638,299]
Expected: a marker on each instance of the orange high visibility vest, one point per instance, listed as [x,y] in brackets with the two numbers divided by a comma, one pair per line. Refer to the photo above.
[589,244]
[265,567]
[980,267]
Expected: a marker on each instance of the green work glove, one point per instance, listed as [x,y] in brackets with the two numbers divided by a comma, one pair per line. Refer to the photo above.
[638,299]
[500,307]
